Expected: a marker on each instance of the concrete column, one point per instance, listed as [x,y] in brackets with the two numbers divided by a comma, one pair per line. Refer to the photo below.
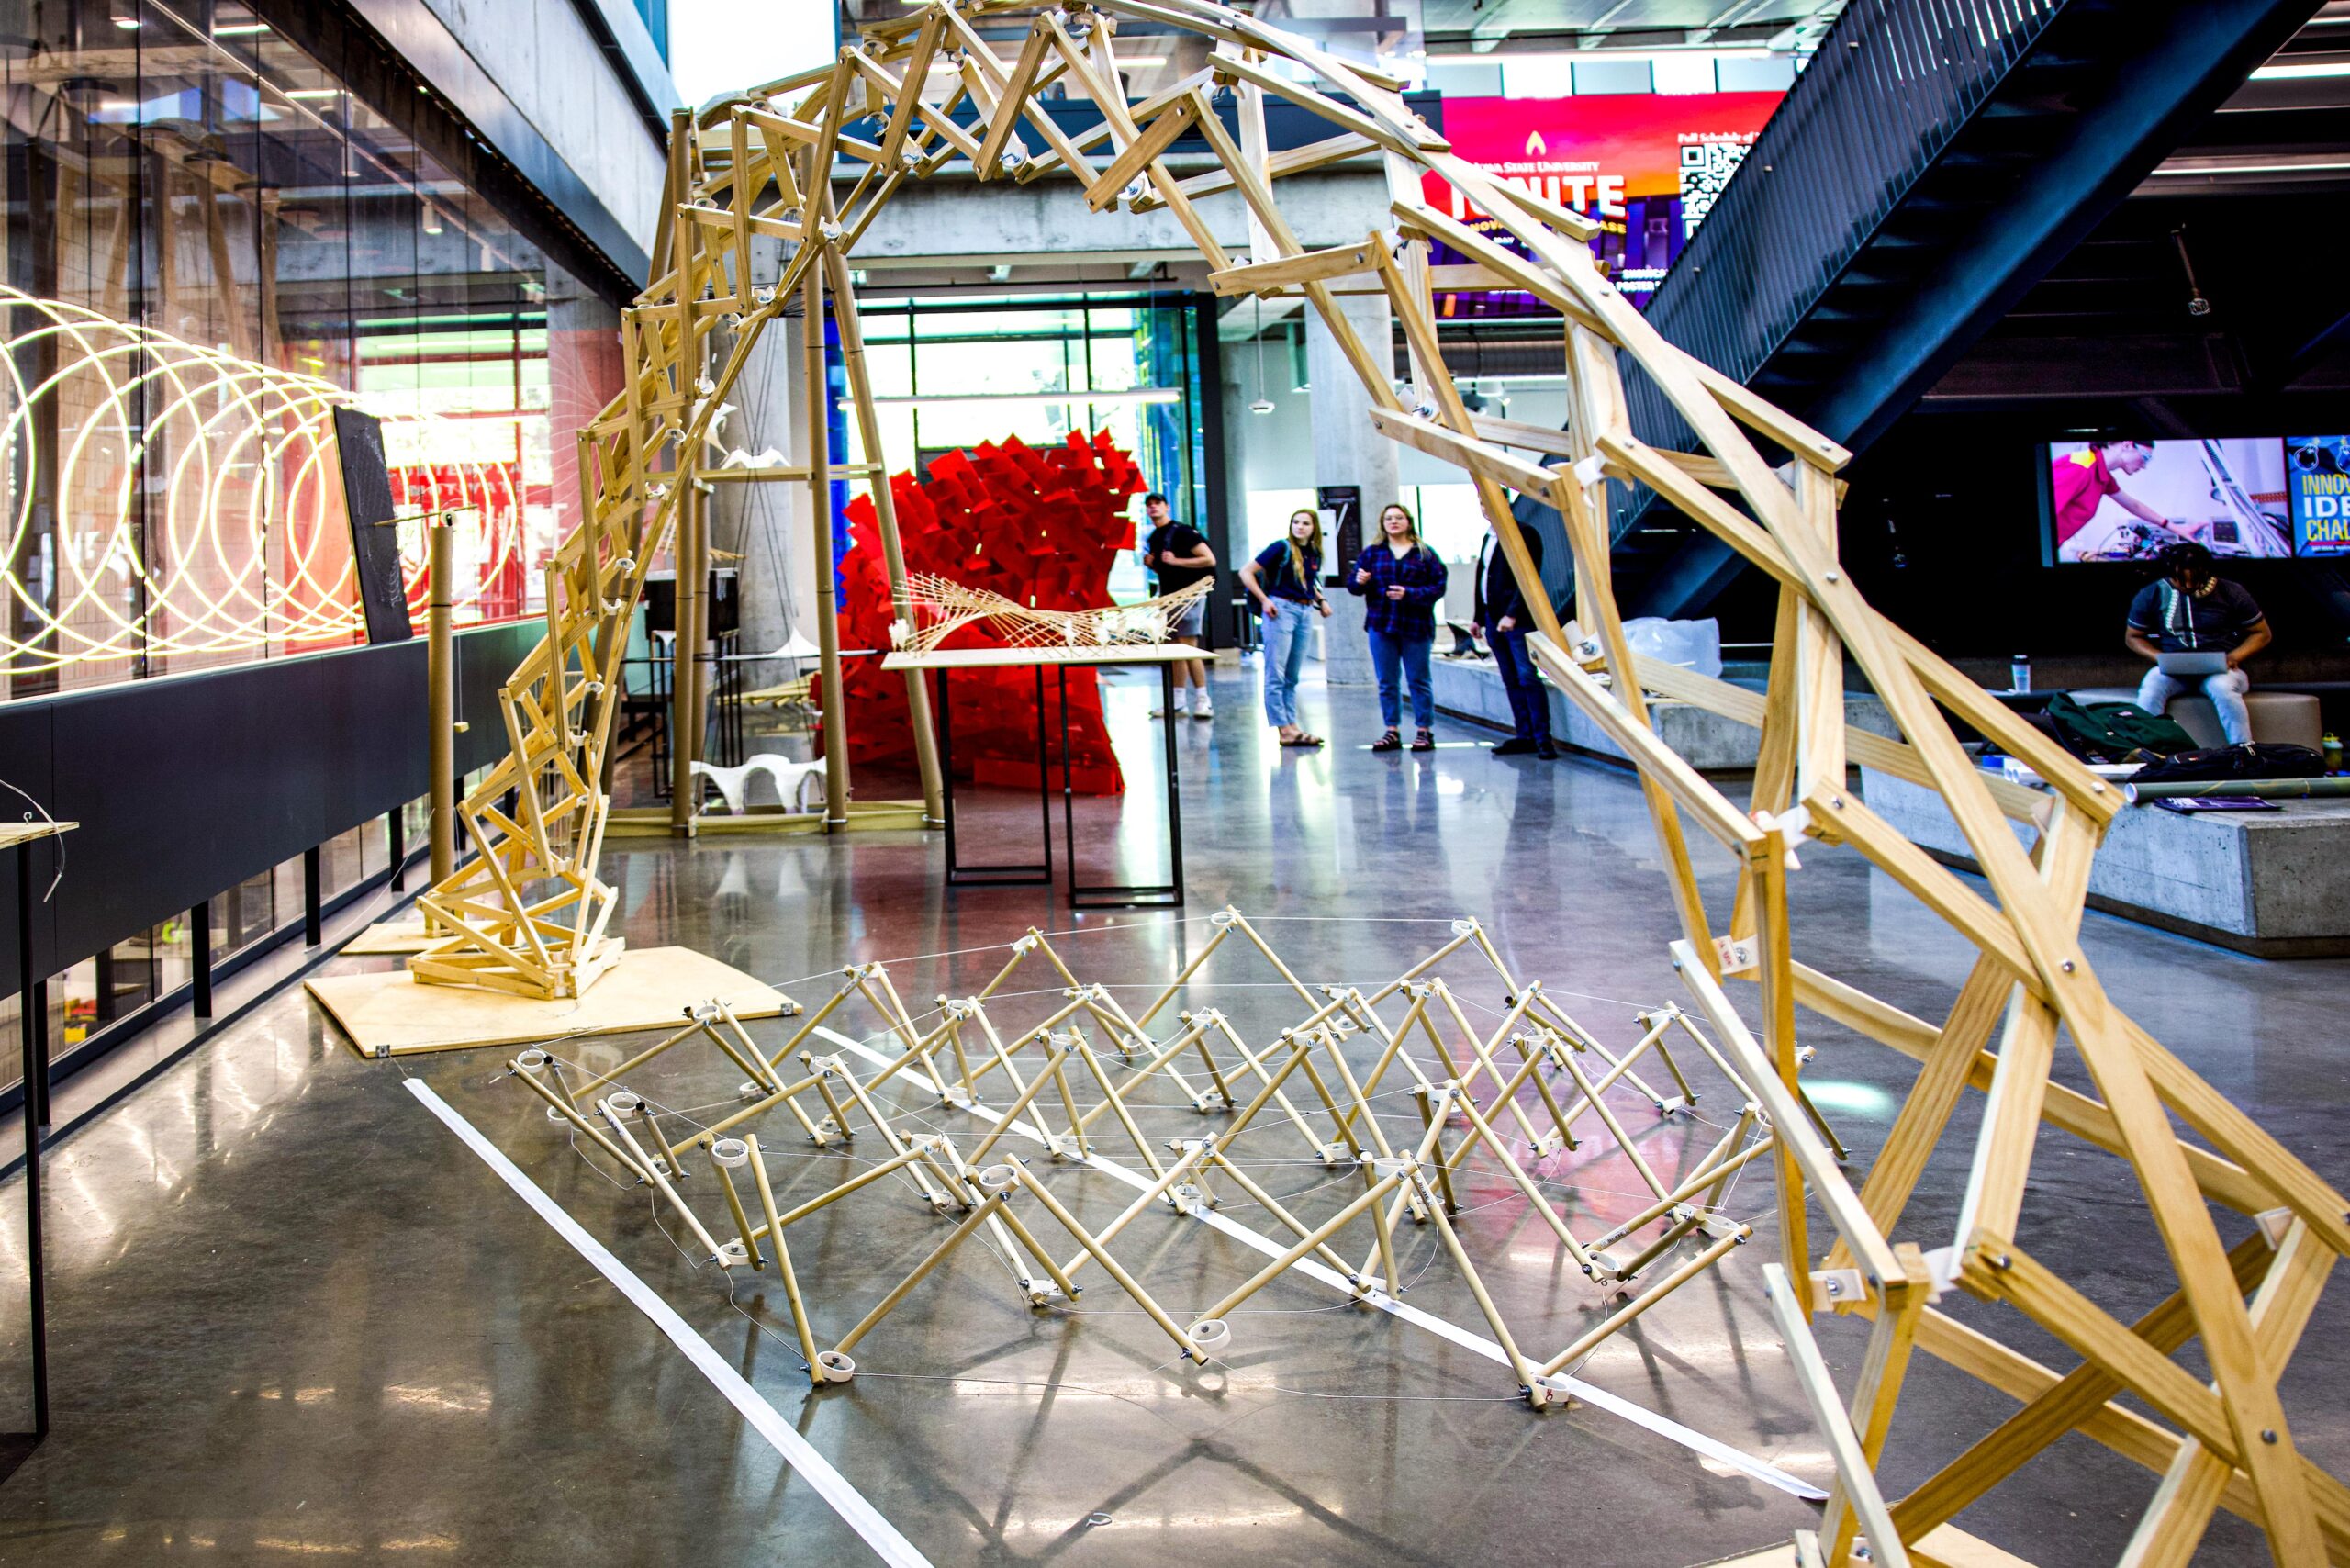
[1348,451]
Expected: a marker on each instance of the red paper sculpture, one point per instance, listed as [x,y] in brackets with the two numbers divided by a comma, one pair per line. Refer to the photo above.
[1041,527]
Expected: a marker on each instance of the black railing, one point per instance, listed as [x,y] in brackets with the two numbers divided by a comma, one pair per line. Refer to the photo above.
[1892,83]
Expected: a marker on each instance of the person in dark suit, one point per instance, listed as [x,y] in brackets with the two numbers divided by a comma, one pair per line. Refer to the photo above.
[1501,618]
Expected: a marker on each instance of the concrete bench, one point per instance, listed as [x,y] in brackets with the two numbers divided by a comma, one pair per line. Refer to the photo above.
[1472,689]
[2291,718]
[2273,884]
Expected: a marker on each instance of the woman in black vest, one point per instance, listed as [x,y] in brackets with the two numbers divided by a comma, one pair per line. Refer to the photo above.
[1401,582]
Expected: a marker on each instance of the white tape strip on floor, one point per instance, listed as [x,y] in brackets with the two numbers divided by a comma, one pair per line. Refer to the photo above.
[1598,1399]
[845,1499]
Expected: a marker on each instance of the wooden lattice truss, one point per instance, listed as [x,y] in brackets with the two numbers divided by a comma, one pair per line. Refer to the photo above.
[758,166]
[941,606]
[1397,1085]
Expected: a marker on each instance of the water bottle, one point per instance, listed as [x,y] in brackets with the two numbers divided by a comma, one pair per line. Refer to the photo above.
[2020,673]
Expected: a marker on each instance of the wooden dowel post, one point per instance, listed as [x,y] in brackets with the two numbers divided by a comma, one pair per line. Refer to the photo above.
[653,1172]
[884,513]
[783,1259]
[939,1254]
[1110,1265]
[698,667]
[735,1206]
[562,1107]
[684,649]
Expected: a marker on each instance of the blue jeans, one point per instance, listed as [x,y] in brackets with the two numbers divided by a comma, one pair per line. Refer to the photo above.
[1286,636]
[2226,690]
[1389,654]
[1530,705]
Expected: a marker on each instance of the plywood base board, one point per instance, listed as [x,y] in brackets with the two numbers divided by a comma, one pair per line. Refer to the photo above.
[864,816]
[1945,1546]
[386,1013]
[1782,1555]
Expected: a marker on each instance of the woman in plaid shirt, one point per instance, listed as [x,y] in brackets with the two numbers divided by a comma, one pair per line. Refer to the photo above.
[1401,581]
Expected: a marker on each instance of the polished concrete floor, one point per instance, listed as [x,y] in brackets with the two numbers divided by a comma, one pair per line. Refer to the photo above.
[293,1317]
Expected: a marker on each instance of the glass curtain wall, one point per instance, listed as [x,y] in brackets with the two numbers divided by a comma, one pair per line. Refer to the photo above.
[948,377]
[181,168]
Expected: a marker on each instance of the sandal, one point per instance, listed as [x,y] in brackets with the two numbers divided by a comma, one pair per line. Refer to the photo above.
[1304,740]
[1424,741]
[1390,741]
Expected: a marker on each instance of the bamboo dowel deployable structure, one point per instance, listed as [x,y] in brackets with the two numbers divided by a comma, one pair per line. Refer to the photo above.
[990,1191]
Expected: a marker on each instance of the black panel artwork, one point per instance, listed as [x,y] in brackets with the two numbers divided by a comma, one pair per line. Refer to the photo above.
[374,542]
[722,602]
[1345,502]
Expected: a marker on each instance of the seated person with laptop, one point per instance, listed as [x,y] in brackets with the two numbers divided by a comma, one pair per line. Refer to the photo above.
[2198,628]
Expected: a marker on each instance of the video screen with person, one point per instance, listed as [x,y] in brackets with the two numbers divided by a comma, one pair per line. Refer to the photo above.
[2125,500]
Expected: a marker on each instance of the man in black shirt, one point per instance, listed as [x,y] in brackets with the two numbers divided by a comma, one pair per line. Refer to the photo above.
[1181,558]
[1501,618]
[2190,611]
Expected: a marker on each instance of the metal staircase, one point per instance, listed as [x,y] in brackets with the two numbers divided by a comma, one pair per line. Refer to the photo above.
[1935,158]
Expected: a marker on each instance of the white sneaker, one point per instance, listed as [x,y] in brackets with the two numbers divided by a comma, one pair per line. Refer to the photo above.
[1203,709]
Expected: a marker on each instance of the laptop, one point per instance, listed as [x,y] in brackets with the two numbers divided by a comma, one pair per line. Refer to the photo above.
[2191,666]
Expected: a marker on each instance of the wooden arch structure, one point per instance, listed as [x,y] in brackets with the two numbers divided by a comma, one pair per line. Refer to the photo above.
[530,913]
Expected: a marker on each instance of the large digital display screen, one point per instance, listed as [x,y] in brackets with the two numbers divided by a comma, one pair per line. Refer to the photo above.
[2125,500]
[2317,474]
[1648,166]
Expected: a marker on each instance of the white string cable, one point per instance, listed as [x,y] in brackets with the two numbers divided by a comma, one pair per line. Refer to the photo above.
[58,838]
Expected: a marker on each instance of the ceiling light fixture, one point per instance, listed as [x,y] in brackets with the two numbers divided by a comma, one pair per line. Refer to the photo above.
[2297,72]
[2250,169]
[1591,56]
[1138,395]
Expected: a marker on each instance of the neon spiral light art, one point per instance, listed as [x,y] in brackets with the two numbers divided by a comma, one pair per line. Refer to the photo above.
[196,494]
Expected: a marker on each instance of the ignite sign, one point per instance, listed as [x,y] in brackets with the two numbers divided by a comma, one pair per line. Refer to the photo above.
[1649,166]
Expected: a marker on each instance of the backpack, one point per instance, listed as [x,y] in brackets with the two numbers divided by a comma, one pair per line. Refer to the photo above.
[2254,759]
[2113,732]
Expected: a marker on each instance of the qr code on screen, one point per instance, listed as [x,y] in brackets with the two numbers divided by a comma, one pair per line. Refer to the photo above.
[1705,168]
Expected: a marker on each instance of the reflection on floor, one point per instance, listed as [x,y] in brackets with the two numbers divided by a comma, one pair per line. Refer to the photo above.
[294,1318]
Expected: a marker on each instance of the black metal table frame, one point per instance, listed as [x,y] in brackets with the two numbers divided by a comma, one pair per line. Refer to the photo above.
[32,1016]
[999,875]
[1082,895]
[1126,895]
